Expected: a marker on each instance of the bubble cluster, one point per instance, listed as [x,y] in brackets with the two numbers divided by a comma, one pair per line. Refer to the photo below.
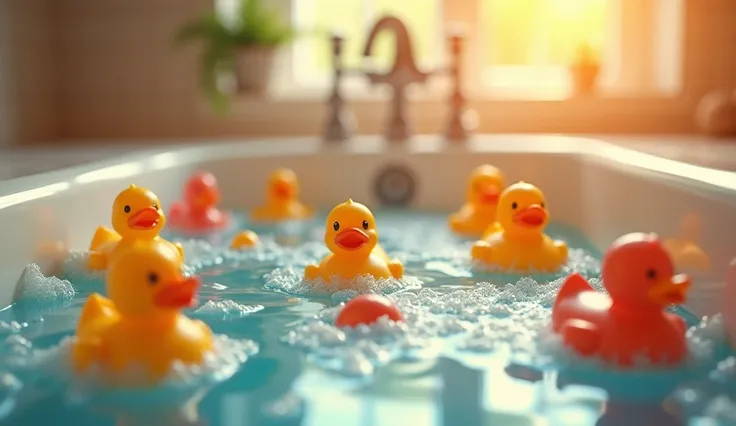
[37,288]
[291,281]
[225,309]
[219,364]
[578,261]
[484,319]
[75,267]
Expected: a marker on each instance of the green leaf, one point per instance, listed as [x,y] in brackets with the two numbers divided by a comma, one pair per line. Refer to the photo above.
[255,24]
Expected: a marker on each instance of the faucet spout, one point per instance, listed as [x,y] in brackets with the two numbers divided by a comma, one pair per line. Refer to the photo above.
[404,70]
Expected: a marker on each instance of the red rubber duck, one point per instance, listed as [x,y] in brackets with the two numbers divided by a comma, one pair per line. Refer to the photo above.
[198,211]
[630,322]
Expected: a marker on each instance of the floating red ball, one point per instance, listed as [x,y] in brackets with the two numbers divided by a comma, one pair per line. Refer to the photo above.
[367,309]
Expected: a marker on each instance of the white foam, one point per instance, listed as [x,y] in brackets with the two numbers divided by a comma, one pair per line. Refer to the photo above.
[225,309]
[12,327]
[220,364]
[200,254]
[722,409]
[289,280]
[76,265]
[482,319]
[725,372]
[577,261]
[36,287]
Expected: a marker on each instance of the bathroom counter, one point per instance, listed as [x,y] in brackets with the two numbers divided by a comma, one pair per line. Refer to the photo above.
[698,150]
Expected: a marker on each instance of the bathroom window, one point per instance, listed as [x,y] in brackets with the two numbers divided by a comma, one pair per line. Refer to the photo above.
[529,45]
[517,49]
[312,55]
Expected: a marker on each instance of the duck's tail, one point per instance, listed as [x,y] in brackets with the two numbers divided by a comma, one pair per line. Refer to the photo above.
[102,237]
[97,306]
[571,287]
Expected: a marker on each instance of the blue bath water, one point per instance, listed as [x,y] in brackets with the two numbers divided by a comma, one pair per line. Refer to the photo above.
[474,349]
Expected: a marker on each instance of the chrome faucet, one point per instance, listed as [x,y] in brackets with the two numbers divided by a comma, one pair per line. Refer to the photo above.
[339,123]
[403,73]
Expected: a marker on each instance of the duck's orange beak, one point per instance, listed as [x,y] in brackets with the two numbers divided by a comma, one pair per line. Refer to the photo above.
[177,295]
[351,239]
[282,189]
[144,219]
[531,217]
[489,194]
[672,291]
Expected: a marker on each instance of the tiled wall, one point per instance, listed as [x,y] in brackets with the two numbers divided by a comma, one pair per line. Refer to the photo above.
[28,81]
[107,69]
[120,74]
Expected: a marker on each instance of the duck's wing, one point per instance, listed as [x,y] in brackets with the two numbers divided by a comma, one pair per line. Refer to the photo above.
[493,228]
[95,309]
[311,272]
[88,350]
[103,236]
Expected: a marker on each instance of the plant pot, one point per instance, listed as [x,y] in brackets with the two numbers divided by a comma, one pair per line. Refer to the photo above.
[253,68]
[585,78]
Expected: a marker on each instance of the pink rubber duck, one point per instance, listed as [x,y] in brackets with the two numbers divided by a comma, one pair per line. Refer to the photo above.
[729,304]
[630,321]
[198,212]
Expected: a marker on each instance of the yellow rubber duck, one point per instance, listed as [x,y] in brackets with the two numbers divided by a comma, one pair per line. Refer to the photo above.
[479,211]
[245,240]
[517,242]
[141,324]
[137,218]
[684,250]
[282,199]
[351,236]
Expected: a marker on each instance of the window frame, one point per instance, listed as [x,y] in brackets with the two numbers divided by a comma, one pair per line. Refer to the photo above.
[647,112]
[630,63]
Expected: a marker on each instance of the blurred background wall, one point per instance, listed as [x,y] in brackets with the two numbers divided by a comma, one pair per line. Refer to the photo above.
[106,69]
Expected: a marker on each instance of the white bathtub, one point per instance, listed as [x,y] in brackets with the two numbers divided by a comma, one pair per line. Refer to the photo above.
[603,189]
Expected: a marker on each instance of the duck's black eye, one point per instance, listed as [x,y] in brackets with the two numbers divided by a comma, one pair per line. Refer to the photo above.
[514,205]
[541,204]
[651,274]
[153,278]
[336,226]
[127,209]
[365,224]
[155,206]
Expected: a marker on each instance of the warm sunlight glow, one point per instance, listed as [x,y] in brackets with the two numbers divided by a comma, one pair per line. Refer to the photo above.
[542,32]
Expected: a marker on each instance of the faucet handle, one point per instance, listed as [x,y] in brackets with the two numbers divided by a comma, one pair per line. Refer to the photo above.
[340,122]
[461,121]
[337,41]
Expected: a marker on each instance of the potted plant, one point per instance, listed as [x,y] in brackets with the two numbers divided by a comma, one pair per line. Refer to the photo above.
[244,44]
[585,70]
